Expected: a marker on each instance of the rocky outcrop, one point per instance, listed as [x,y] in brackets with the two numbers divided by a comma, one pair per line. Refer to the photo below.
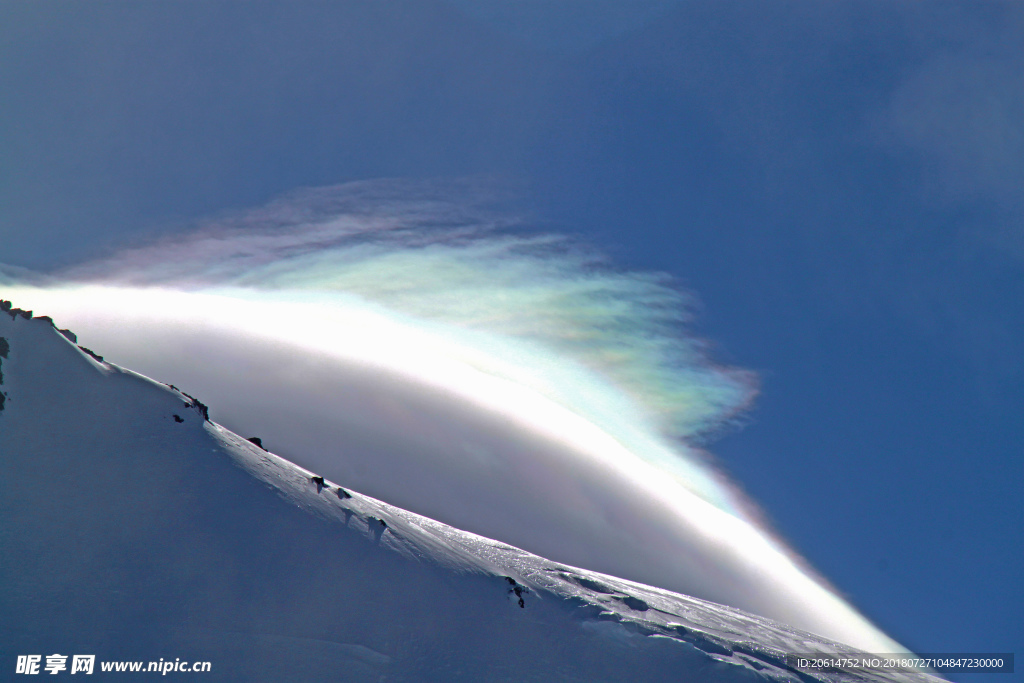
[5,348]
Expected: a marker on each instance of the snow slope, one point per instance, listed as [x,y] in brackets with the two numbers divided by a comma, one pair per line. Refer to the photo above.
[133,528]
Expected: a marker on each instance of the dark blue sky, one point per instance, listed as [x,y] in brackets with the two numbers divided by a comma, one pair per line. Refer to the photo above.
[841,183]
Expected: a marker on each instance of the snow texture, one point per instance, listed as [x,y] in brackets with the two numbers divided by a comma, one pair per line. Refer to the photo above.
[134,528]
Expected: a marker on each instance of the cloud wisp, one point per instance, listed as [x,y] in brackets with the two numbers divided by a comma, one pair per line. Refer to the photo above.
[406,342]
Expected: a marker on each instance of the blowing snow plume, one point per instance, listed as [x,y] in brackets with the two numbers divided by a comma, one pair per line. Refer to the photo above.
[400,340]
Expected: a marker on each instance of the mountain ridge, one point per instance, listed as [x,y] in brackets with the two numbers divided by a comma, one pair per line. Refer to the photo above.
[140,529]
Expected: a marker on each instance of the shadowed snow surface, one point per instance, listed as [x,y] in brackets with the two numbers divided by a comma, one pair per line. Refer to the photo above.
[135,529]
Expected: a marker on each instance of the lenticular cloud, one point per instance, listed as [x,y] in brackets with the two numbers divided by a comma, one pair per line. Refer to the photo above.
[404,340]
[446,264]
[606,344]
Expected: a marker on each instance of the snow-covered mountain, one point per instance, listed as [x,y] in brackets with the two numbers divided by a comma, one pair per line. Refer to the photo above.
[133,528]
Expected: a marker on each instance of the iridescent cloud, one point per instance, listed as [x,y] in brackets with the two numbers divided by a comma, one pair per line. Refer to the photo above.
[409,343]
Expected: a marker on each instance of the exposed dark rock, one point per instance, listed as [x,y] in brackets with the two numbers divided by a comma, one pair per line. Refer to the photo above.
[343,494]
[518,590]
[98,358]
[257,440]
[179,418]
[319,481]
[5,348]
[198,406]
[8,308]
[70,336]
